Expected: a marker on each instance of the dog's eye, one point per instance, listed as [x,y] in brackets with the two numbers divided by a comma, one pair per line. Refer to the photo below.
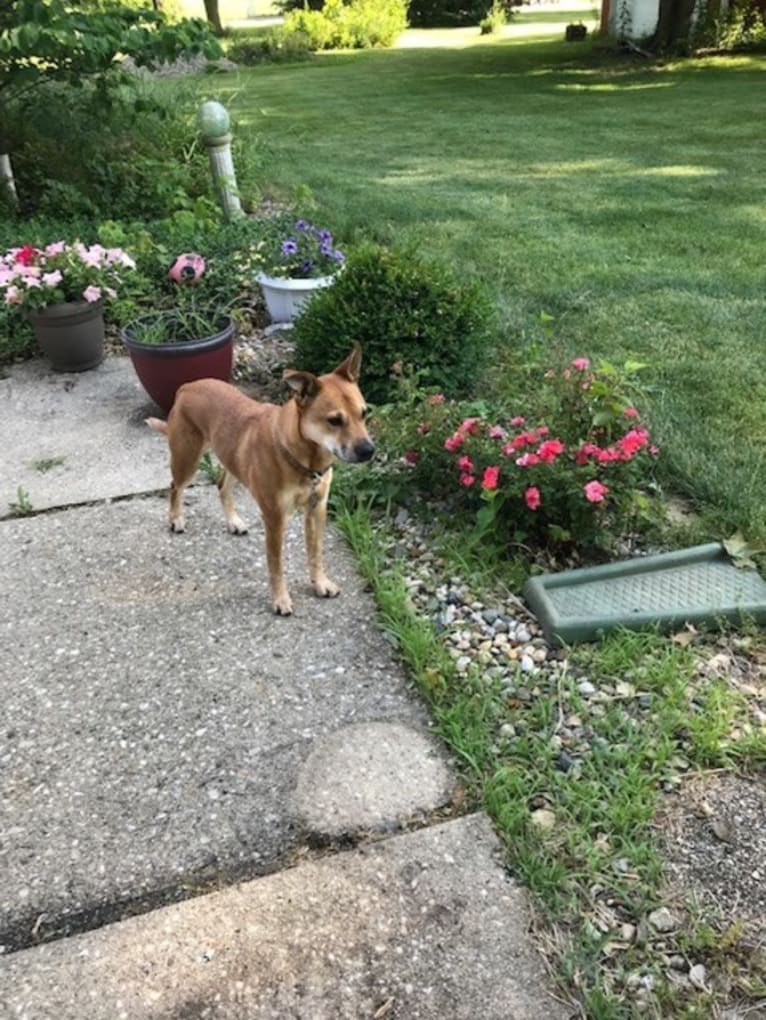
[336,420]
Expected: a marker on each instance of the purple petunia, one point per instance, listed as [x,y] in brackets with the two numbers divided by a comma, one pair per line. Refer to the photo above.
[290,246]
[306,266]
[338,256]
[302,225]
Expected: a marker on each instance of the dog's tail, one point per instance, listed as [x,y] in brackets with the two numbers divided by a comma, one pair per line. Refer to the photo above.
[157,424]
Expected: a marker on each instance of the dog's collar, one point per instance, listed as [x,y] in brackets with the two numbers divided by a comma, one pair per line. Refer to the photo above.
[313,474]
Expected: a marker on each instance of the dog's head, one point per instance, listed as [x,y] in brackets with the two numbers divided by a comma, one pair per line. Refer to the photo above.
[333,410]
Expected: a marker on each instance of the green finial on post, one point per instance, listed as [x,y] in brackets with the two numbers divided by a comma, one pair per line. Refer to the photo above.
[214,129]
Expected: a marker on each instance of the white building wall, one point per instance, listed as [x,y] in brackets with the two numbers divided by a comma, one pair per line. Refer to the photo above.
[633,18]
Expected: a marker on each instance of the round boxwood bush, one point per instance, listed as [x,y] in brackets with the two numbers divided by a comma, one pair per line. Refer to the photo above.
[401,309]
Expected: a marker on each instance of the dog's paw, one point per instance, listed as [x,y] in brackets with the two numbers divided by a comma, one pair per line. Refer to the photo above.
[178,525]
[283,606]
[237,526]
[325,588]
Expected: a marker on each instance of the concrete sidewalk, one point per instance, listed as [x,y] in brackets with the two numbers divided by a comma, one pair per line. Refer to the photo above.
[164,737]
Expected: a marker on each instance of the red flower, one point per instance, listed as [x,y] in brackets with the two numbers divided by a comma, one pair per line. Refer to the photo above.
[532,497]
[490,477]
[632,442]
[411,457]
[527,460]
[523,439]
[26,255]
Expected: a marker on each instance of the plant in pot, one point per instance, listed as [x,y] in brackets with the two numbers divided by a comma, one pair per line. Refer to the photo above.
[62,288]
[190,341]
[291,262]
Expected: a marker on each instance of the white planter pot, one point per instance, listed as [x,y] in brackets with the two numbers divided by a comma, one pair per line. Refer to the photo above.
[285,297]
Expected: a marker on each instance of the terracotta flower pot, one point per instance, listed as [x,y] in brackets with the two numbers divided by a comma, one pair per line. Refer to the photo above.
[71,334]
[163,367]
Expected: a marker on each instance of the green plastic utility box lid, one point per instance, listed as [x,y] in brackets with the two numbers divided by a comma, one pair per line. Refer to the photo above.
[699,585]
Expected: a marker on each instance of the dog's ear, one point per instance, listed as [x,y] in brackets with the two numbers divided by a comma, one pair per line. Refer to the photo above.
[303,384]
[351,367]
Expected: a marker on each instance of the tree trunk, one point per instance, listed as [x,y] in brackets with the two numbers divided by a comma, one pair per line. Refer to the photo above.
[673,24]
[213,16]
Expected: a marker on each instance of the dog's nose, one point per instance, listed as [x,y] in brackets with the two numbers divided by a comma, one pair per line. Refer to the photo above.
[364,449]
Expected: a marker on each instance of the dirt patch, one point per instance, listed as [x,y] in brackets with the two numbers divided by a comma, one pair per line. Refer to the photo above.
[714,838]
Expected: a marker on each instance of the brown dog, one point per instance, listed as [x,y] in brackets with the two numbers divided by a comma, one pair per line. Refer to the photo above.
[283,455]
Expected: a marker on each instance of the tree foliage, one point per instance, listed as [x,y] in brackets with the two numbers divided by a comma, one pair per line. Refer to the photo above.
[70,41]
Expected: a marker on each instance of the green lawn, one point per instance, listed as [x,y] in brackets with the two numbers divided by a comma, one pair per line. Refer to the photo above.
[625,200]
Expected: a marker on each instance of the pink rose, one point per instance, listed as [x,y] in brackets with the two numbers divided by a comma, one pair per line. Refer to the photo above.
[465,464]
[527,460]
[490,477]
[519,420]
[595,491]
[581,364]
[454,442]
[411,457]
[630,412]
[532,497]
[550,450]
[467,480]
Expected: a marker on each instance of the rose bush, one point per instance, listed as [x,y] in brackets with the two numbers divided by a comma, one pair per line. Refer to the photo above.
[576,468]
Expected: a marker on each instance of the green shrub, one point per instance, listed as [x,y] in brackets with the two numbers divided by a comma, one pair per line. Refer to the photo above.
[274,46]
[452,13]
[496,17]
[403,310]
[359,24]
[137,161]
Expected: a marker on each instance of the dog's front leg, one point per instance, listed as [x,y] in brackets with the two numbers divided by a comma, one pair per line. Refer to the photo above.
[314,517]
[275,525]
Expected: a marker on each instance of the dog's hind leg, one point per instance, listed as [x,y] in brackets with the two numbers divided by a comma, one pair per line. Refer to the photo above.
[225,485]
[186,448]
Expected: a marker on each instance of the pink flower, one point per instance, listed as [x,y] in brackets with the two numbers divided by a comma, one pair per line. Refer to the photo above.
[496,432]
[654,450]
[465,463]
[454,442]
[632,442]
[490,477]
[411,457]
[523,439]
[56,248]
[52,279]
[581,364]
[532,497]
[550,450]
[631,412]
[586,451]
[519,420]
[12,295]
[470,425]
[595,491]
[92,293]
[543,430]
[467,480]
[527,460]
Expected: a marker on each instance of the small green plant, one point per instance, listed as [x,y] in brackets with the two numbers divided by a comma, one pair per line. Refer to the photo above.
[22,505]
[274,47]
[495,19]
[48,463]
[402,310]
[210,468]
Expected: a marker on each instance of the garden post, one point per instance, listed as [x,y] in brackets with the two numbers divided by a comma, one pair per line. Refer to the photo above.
[214,130]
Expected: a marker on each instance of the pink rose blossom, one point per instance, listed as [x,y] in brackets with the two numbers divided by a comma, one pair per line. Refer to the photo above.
[595,491]
[527,460]
[496,432]
[411,457]
[550,450]
[581,364]
[532,497]
[490,478]
[454,442]
[632,442]
[469,425]
[631,412]
[467,480]
[519,420]
[465,464]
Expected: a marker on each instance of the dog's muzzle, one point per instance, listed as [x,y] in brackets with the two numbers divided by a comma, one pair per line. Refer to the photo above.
[363,450]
